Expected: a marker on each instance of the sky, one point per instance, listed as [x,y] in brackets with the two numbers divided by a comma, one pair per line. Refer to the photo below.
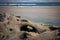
[29,0]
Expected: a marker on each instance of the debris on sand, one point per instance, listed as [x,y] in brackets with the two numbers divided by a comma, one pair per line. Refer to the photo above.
[15,28]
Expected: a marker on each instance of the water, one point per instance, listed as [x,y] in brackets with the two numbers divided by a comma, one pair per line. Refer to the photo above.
[54,22]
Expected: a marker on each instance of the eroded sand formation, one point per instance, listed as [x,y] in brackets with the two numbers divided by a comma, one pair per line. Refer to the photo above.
[15,28]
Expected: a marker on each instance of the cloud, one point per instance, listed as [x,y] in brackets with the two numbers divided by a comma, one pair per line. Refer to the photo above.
[29,0]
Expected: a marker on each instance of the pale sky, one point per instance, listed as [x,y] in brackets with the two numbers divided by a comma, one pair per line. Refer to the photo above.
[29,0]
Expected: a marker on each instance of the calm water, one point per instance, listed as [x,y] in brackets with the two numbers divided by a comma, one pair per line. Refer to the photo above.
[54,22]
